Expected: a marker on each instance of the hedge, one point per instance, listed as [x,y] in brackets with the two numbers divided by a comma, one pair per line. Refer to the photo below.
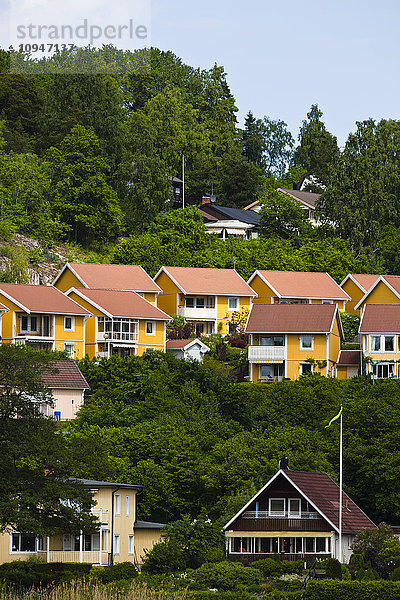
[33,573]
[330,589]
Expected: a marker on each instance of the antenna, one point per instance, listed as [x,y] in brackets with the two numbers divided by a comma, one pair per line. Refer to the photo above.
[183,181]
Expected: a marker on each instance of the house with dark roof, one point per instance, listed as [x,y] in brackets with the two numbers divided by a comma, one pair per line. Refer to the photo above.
[67,385]
[356,285]
[289,340]
[306,200]
[348,364]
[296,516]
[120,536]
[207,297]
[380,340]
[296,287]
[226,222]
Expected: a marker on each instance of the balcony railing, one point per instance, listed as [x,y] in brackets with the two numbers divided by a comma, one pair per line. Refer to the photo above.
[98,557]
[266,353]
[117,336]
[197,313]
[265,514]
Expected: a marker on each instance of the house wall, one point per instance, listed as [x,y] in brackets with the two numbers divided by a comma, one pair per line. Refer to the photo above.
[145,540]
[167,300]
[381,294]
[264,293]
[224,314]
[68,402]
[157,341]
[355,294]
[90,325]
[150,297]
[77,337]
[67,281]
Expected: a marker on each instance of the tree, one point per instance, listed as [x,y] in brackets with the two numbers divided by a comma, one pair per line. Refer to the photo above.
[36,495]
[81,197]
[317,151]
[268,144]
[377,547]
[282,216]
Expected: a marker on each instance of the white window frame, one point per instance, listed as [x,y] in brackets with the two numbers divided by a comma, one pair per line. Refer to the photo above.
[153,328]
[131,544]
[69,348]
[117,543]
[117,505]
[276,513]
[394,342]
[19,545]
[127,506]
[296,515]
[371,337]
[237,303]
[309,348]
[72,328]
[301,368]
[29,324]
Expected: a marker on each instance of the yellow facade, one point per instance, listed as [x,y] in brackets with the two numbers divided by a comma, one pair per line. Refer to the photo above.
[59,337]
[381,294]
[355,294]
[168,299]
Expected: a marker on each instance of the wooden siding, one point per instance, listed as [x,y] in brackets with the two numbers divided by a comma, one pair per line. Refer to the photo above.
[277,524]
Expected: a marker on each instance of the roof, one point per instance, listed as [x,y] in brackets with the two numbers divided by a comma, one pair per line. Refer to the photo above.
[292,318]
[148,525]
[68,376]
[184,344]
[94,483]
[380,318]
[236,214]
[41,299]
[194,280]
[118,303]
[323,494]
[348,358]
[308,198]
[302,284]
[111,277]
[391,281]
[362,280]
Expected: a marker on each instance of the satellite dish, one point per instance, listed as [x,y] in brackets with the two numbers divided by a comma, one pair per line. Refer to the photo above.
[213,198]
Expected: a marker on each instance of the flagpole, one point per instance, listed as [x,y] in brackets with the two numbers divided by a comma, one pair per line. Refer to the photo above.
[341,483]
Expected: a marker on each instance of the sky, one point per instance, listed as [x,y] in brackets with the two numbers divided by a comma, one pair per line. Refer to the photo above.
[280,56]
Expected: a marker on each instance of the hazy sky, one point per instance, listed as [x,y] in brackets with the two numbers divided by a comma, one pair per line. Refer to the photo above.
[281,56]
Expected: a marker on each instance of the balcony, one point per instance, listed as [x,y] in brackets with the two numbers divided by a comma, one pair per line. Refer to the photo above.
[265,521]
[117,336]
[266,353]
[97,557]
[197,313]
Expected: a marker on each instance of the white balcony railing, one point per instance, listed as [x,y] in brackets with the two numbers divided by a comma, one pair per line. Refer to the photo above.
[198,314]
[117,336]
[93,557]
[265,514]
[266,353]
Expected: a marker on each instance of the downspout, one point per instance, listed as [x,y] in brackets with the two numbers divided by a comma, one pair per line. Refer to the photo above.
[112,524]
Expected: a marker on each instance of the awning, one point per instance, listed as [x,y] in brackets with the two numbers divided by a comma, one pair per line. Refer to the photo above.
[119,345]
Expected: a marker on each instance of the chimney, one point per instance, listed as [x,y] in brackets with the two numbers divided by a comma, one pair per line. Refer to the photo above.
[206,200]
[284,463]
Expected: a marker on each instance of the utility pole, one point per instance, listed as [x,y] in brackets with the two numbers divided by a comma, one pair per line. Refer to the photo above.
[183,181]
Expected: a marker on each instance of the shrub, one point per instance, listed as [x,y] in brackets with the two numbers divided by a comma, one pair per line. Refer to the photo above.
[34,573]
[333,569]
[225,575]
[396,574]
[330,589]
[268,567]
[123,570]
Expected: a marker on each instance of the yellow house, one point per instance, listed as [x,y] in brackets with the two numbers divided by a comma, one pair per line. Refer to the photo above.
[356,285]
[296,287]
[42,317]
[123,323]
[289,340]
[119,537]
[380,340]
[206,297]
[348,364]
[385,290]
[107,277]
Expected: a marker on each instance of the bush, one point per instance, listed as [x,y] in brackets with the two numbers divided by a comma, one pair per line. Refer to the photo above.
[225,575]
[330,589]
[34,573]
[123,570]
[396,574]
[268,567]
[333,569]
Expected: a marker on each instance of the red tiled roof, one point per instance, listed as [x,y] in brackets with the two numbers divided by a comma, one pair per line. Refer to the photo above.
[302,284]
[348,358]
[177,343]
[193,280]
[291,318]
[120,303]
[113,277]
[380,318]
[365,280]
[324,494]
[41,299]
[68,376]
[394,281]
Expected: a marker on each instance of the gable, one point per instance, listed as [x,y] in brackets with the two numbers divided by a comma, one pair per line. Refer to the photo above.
[262,290]
[67,280]
[380,294]
[166,284]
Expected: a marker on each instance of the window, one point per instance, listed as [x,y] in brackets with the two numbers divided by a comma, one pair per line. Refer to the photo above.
[272,340]
[294,507]
[271,371]
[127,506]
[384,370]
[69,324]
[131,544]
[389,343]
[34,324]
[327,301]
[70,350]
[23,542]
[117,505]
[320,544]
[233,303]
[29,324]
[200,302]
[307,342]
[309,544]
[277,507]
[375,343]
[306,368]
[117,547]
[189,302]
[150,328]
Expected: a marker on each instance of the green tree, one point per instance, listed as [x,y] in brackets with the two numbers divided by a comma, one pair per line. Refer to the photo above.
[36,495]
[268,144]
[81,198]
[377,547]
[282,216]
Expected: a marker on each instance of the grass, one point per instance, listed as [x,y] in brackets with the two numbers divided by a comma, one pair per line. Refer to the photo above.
[90,590]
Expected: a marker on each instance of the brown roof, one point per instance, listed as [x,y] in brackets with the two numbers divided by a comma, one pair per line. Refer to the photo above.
[308,198]
[291,318]
[113,277]
[68,376]
[364,280]
[349,358]
[324,494]
[302,284]
[177,343]
[41,299]
[394,281]
[193,280]
[119,303]
[380,318]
